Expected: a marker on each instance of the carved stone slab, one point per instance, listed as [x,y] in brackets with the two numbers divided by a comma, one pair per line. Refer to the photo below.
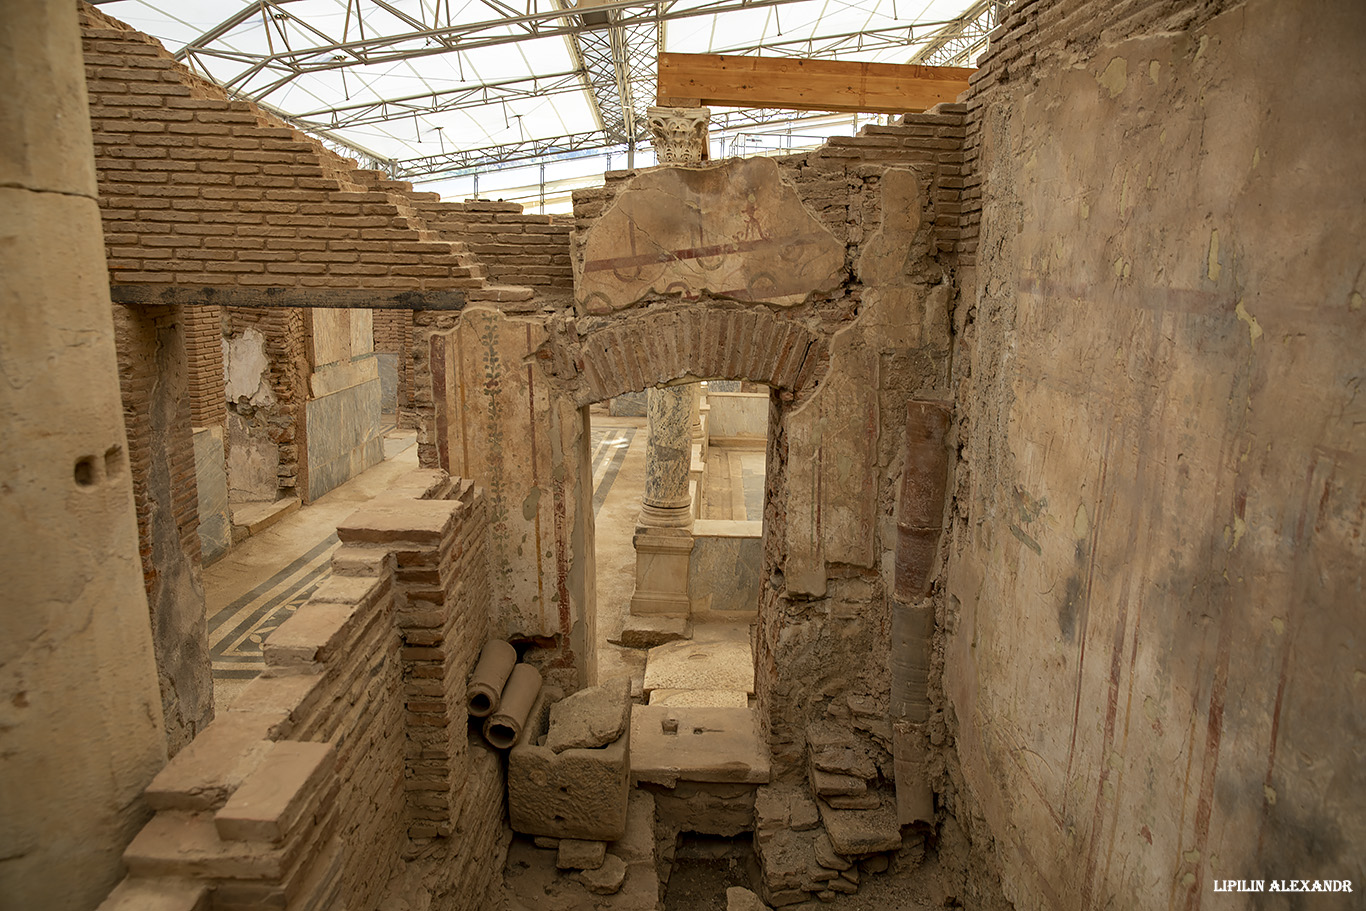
[733,229]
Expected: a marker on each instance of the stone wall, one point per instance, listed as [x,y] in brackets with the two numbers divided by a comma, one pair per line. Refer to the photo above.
[1154,613]
[351,751]
[266,374]
[850,330]
[80,713]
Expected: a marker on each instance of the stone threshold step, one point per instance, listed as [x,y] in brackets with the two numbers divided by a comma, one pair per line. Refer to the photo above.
[252,518]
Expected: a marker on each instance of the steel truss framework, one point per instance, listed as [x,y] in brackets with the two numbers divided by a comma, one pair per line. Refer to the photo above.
[614,46]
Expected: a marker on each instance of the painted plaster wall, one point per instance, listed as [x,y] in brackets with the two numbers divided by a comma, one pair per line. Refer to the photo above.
[885,310]
[80,715]
[501,422]
[1155,621]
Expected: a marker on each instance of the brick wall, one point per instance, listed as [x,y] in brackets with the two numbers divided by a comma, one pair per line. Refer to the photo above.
[931,144]
[307,792]
[198,190]
[156,413]
[204,356]
[517,248]
[283,422]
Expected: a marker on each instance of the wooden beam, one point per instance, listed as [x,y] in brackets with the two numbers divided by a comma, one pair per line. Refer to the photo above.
[806,85]
[229,296]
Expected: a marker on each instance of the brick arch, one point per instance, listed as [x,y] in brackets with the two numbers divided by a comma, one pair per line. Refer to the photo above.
[631,352]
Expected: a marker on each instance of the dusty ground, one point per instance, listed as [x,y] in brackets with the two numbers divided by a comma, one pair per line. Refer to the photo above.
[704,869]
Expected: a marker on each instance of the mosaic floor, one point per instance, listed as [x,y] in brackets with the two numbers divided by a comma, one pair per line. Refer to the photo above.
[237,630]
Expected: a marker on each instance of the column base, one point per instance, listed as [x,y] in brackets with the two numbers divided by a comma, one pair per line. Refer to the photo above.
[652,516]
[662,557]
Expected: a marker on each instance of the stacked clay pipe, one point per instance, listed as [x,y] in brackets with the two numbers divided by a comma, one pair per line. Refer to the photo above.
[501,691]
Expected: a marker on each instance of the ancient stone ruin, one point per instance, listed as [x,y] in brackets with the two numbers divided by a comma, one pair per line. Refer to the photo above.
[997,540]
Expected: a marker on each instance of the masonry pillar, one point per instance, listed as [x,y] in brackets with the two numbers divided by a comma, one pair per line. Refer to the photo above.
[80,711]
[663,538]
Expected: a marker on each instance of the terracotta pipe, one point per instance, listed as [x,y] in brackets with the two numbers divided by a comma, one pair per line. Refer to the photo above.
[924,482]
[920,521]
[504,726]
[490,676]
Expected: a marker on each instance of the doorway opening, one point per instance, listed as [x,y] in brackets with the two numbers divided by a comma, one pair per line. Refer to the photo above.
[723,570]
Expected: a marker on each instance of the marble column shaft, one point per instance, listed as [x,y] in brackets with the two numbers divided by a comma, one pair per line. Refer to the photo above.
[668,457]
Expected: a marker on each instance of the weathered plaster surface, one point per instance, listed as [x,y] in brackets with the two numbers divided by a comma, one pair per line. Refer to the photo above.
[80,718]
[734,229]
[737,414]
[504,428]
[151,344]
[1156,581]
[245,369]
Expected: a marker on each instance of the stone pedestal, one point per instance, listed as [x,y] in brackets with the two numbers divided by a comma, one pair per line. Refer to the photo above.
[662,556]
[663,538]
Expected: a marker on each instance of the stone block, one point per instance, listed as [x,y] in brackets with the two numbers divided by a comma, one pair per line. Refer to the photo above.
[674,744]
[830,785]
[578,793]
[157,895]
[716,698]
[606,879]
[638,844]
[721,664]
[647,631]
[726,565]
[786,859]
[303,641]
[277,794]
[590,718]
[856,832]
[866,801]
[845,761]
[796,256]
[417,522]
[827,856]
[741,899]
[204,774]
[580,854]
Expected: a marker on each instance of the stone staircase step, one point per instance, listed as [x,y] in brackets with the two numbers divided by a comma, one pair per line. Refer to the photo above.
[252,518]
